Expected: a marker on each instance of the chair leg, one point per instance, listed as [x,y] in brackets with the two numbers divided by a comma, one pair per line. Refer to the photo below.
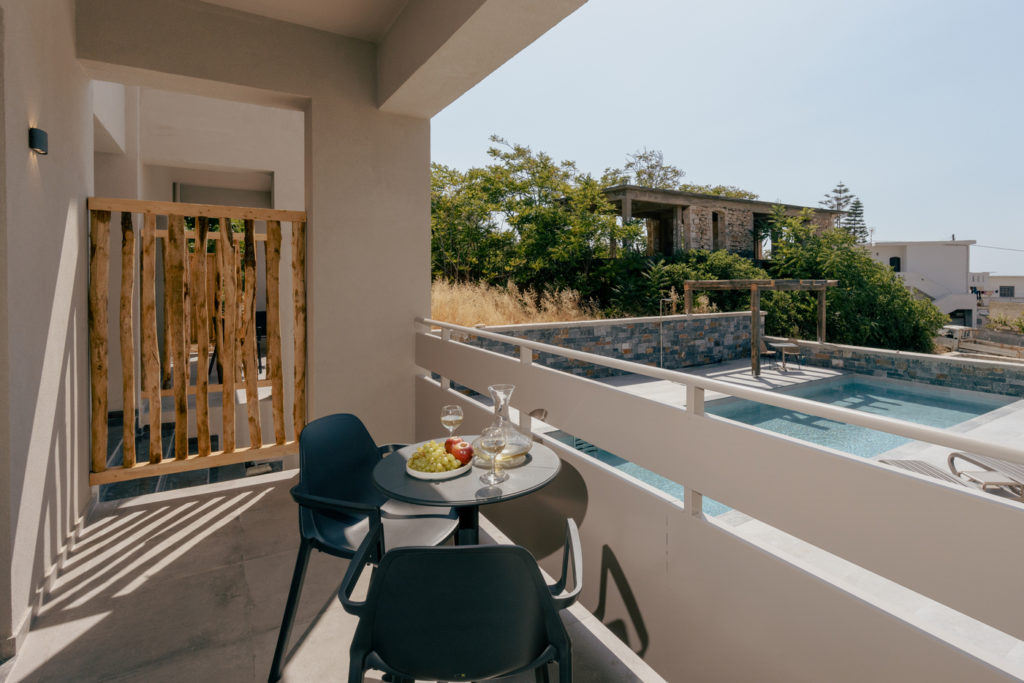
[298,576]
[565,666]
[540,674]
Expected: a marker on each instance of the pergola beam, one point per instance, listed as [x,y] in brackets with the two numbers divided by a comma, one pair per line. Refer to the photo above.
[778,285]
[755,287]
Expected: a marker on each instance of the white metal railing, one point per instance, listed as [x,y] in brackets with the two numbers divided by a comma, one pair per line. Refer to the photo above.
[677,570]
[696,387]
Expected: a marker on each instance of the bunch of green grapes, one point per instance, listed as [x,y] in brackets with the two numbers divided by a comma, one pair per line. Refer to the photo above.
[432,457]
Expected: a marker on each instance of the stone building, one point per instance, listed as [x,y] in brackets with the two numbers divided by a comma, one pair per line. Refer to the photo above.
[687,220]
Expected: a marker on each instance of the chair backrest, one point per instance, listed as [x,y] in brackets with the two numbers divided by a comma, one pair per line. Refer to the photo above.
[459,613]
[336,459]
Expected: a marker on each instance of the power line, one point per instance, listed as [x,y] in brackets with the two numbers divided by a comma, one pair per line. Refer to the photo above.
[985,246]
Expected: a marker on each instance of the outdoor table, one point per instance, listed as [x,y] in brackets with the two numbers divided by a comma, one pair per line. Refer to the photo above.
[465,492]
[784,348]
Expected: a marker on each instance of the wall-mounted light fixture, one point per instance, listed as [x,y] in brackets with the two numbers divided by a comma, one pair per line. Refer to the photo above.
[38,141]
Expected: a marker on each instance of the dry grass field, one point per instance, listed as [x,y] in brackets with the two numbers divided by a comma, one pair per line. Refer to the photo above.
[481,304]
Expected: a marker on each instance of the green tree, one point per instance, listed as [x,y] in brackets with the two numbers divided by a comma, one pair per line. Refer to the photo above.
[526,218]
[646,168]
[870,307]
[853,221]
[838,199]
[730,191]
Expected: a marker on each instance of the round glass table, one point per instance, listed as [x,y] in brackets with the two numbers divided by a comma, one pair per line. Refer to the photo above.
[465,492]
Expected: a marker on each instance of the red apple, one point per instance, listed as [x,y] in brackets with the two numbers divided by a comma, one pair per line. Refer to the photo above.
[451,441]
[463,452]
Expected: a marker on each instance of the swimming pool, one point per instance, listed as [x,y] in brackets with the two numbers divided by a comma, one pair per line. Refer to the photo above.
[908,401]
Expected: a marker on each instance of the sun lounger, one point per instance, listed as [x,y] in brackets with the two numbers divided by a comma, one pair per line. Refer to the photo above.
[926,468]
[994,473]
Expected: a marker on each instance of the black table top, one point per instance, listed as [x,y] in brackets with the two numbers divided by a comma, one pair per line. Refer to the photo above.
[466,489]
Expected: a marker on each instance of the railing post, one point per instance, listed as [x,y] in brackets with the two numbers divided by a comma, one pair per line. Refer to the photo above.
[525,419]
[694,399]
[446,336]
[694,502]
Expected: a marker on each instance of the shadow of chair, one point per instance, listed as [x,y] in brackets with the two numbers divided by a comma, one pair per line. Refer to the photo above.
[461,613]
[338,506]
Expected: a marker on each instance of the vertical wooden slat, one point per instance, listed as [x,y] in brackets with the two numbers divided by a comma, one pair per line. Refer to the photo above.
[150,349]
[202,333]
[273,263]
[213,303]
[165,379]
[821,315]
[128,337]
[249,361]
[755,330]
[175,291]
[99,282]
[229,341]
[299,306]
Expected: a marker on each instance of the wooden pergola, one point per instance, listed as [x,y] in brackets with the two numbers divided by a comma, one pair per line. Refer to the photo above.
[755,287]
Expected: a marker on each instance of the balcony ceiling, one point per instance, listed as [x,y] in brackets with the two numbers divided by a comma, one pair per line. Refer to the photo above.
[363,19]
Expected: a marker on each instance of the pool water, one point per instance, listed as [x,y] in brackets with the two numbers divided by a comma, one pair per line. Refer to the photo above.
[921,404]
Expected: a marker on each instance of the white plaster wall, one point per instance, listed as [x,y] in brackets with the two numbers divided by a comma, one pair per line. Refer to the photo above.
[1016,281]
[882,253]
[945,264]
[45,396]
[190,131]
[109,104]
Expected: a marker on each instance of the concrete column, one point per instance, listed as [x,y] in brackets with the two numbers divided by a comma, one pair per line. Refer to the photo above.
[627,215]
[677,228]
[688,228]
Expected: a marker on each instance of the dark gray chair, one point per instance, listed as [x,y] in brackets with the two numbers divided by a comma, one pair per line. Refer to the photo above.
[338,505]
[460,613]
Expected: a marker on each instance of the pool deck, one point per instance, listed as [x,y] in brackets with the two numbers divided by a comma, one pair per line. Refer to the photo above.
[734,372]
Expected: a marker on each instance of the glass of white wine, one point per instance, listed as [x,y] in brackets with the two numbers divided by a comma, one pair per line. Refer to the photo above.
[451,417]
[492,443]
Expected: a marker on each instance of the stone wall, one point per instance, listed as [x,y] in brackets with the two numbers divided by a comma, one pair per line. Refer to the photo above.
[736,226]
[1005,378]
[700,227]
[671,342]
[739,231]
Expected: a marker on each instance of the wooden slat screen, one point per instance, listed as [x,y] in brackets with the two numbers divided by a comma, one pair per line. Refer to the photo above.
[209,299]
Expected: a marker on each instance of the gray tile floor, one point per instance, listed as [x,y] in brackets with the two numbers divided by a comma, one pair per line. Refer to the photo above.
[190,584]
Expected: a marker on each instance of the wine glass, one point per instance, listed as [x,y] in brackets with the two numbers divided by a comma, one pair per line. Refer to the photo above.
[451,417]
[492,443]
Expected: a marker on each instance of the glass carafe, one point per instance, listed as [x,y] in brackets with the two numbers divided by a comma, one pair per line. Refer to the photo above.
[517,444]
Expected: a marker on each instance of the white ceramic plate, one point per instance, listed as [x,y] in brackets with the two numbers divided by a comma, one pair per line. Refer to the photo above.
[438,476]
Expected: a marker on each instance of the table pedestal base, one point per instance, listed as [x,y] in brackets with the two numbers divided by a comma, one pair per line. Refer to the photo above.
[468,531]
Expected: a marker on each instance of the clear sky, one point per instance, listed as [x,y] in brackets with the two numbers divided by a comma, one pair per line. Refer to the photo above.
[916,105]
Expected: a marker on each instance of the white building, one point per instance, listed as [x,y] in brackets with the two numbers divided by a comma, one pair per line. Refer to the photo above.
[939,271]
[1007,287]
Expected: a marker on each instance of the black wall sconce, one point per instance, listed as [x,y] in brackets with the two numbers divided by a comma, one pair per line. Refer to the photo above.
[38,141]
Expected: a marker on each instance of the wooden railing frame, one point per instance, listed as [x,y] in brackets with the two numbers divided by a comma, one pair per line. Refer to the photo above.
[183,273]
